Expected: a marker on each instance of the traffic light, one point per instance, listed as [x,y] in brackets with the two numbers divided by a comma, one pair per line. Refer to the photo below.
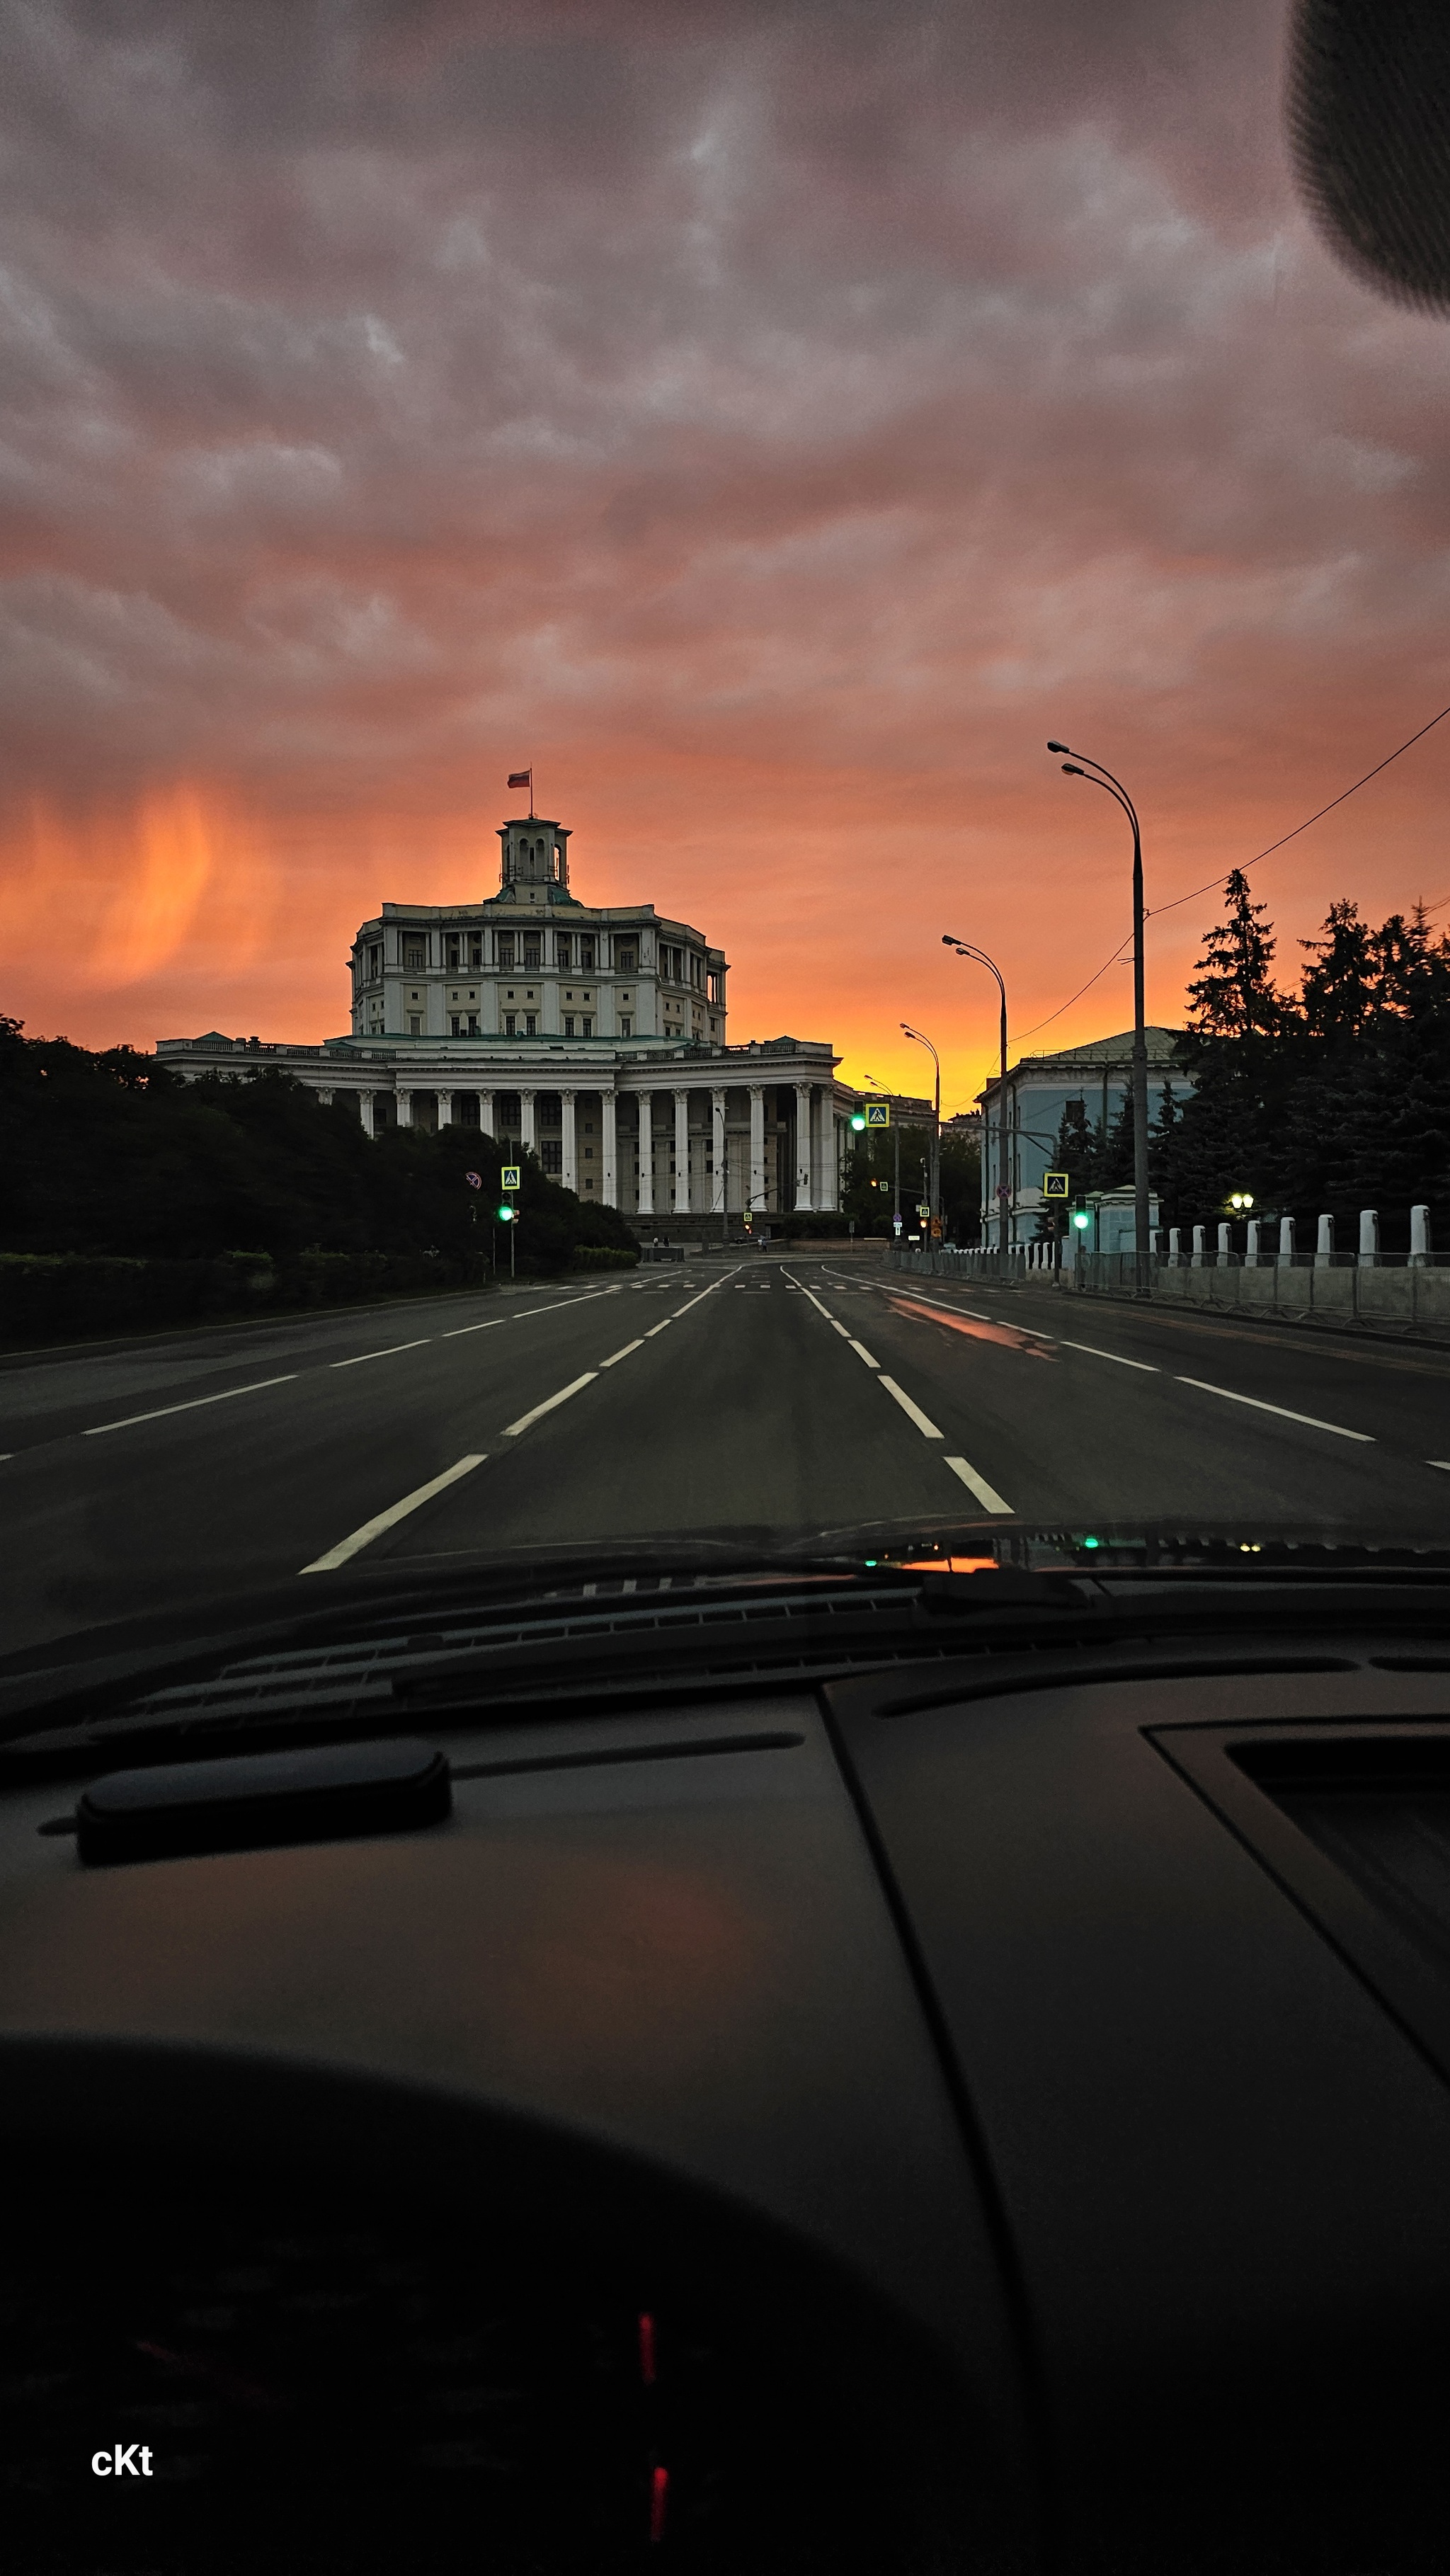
[859,1120]
[504,1213]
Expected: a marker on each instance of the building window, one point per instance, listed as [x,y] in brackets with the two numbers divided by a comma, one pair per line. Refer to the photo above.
[588,1185]
[506,952]
[626,1028]
[586,1028]
[415,1025]
[568,1024]
[453,951]
[561,949]
[533,951]
[510,1026]
[531,1025]
[626,956]
[586,956]
[415,956]
[455,1025]
[475,951]
[473,1024]
[551,1154]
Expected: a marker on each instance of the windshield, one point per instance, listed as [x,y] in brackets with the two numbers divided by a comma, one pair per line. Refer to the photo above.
[722,806]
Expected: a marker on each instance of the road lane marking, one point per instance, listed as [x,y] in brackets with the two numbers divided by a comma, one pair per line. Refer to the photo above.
[1283,1410]
[862,1353]
[844,1329]
[1094,1353]
[987,1496]
[923,1421]
[487,1327]
[190,1406]
[661,1327]
[1433,1462]
[512,1429]
[390,1353]
[624,1354]
[374,1528]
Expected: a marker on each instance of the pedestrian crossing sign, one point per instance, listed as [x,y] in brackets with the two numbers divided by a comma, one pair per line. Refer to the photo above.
[508,1178]
[878,1112]
[1054,1185]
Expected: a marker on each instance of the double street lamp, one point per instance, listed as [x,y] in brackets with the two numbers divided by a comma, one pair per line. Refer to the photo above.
[1078,765]
[934,1184]
[979,957]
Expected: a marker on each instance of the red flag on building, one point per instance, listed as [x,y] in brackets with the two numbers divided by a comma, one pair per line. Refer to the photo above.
[521,778]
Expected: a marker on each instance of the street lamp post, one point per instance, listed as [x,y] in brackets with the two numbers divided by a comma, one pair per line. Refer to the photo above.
[895,1160]
[979,956]
[1097,776]
[934,1185]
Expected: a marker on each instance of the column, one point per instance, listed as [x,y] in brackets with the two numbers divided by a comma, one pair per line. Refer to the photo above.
[1200,1255]
[646,1196]
[833,1135]
[1369,1238]
[571,1140]
[804,1145]
[1419,1237]
[717,1151]
[1288,1242]
[1225,1246]
[526,1118]
[608,1115]
[1324,1245]
[485,1113]
[1251,1256]
[682,1153]
[405,1109]
[1175,1245]
[365,1111]
[756,1199]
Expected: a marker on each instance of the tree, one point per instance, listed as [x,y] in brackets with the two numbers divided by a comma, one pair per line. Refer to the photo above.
[1338,989]
[1232,995]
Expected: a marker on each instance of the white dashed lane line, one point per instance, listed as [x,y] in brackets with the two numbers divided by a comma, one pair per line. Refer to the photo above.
[361,1538]
[987,1495]
[191,1406]
[863,1354]
[1283,1410]
[512,1429]
[622,1355]
[1095,1354]
[390,1353]
[923,1421]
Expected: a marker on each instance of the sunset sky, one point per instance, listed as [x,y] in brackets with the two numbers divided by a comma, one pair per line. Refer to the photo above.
[772,421]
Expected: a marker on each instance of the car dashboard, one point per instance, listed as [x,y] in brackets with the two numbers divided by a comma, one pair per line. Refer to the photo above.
[979,2113]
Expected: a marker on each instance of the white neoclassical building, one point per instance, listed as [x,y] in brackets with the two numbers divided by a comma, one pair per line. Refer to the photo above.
[594,1035]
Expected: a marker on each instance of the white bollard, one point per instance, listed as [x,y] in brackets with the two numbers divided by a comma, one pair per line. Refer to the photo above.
[1200,1236]
[1419,1236]
[1369,1238]
[1225,1246]
[1287,1242]
[1175,1245]
[1324,1248]
[1251,1255]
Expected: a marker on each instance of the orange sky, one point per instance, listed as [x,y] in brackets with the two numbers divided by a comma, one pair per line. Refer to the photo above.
[774,422]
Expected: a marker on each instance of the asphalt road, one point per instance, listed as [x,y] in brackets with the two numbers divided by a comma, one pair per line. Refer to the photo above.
[768,1395]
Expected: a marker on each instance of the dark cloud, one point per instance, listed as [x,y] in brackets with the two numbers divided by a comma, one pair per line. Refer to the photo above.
[746,408]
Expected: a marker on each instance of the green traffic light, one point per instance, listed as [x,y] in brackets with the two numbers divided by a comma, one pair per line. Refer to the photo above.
[1081,1218]
[859,1121]
[504,1214]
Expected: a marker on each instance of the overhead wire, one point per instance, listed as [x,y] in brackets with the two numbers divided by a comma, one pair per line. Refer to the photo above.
[1242,868]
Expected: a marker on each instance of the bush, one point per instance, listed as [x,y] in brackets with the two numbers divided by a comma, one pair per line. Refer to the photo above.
[604,1256]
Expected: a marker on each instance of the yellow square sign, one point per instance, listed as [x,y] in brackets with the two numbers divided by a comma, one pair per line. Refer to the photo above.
[1055,1185]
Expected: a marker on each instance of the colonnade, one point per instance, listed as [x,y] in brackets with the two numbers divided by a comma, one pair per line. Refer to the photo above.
[812,1185]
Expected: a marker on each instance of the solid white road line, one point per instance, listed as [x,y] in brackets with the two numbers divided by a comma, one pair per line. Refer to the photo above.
[862,1353]
[512,1429]
[987,1496]
[390,1353]
[624,1354]
[460,1329]
[1257,1401]
[1095,1354]
[191,1406]
[923,1421]
[374,1528]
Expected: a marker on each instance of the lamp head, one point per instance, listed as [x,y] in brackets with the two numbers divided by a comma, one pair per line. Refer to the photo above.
[1058,746]
[1070,769]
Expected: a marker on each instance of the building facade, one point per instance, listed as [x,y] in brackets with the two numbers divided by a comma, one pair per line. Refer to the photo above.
[593,1036]
[1041,1090]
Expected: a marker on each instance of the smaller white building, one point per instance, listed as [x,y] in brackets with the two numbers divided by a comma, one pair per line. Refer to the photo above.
[1095,1080]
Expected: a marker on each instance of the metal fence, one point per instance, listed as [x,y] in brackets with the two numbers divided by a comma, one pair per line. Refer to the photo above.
[1396,1293]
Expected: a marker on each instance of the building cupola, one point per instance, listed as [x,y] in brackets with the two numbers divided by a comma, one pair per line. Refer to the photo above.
[535,858]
